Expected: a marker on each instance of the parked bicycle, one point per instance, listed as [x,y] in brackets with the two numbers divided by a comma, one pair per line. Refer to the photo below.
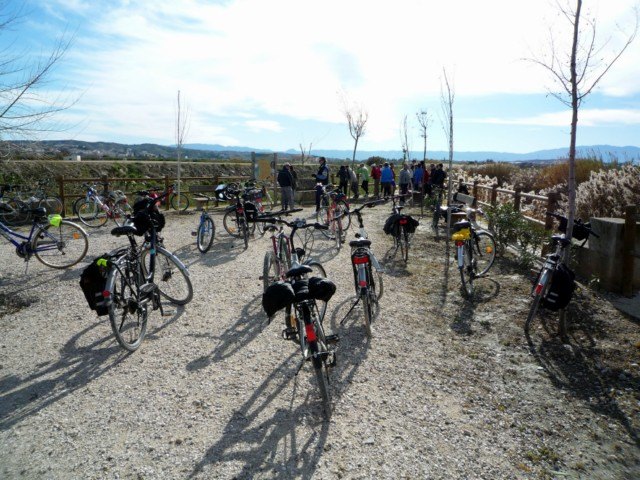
[555,283]
[401,227]
[206,230]
[369,286]
[18,205]
[176,201]
[55,242]
[334,213]
[299,296]
[236,220]
[95,209]
[475,250]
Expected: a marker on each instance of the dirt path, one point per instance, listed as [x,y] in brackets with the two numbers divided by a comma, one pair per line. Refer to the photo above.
[446,388]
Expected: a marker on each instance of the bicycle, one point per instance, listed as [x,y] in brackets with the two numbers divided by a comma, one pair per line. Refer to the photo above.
[299,295]
[206,228]
[546,293]
[130,289]
[95,209]
[475,250]
[176,201]
[435,202]
[369,287]
[333,202]
[55,242]
[401,227]
[236,221]
[17,209]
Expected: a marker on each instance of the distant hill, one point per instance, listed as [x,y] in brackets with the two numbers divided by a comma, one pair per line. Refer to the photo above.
[64,148]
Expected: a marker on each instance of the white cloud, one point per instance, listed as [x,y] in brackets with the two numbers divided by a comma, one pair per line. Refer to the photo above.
[260,125]
[586,118]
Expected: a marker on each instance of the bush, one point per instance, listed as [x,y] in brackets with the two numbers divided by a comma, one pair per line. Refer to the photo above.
[607,192]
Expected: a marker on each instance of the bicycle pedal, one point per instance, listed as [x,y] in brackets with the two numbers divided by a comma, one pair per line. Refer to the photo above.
[290,334]
[332,339]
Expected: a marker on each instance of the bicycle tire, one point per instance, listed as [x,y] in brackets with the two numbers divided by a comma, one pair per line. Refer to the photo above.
[61,246]
[484,251]
[378,284]
[91,214]
[318,350]
[537,298]
[318,271]
[127,316]
[230,223]
[9,213]
[285,257]
[269,271]
[76,204]
[466,270]
[171,276]
[338,232]
[18,213]
[245,231]
[121,212]
[177,201]
[404,240]
[368,311]
[205,235]
[53,205]
[322,217]
[343,209]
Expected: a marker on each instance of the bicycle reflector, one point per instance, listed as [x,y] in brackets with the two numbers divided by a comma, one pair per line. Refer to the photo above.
[403,221]
[240,210]
[488,249]
[360,260]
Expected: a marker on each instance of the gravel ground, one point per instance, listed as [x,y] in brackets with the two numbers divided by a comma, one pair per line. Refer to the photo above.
[446,387]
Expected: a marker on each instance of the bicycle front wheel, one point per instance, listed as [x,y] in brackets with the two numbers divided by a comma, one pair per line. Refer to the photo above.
[91,214]
[60,246]
[179,202]
[269,271]
[121,210]
[230,224]
[171,276]
[52,205]
[206,232]
[343,209]
[127,313]
[319,350]
[484,251]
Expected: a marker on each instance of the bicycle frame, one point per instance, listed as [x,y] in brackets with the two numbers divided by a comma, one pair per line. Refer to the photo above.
[25,247]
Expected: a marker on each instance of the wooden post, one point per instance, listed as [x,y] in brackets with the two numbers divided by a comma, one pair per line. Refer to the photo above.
[552,200]
[628,246]
[61,193]
[474,192]
[517,199]
[166,188]
[216,182]
[494,194]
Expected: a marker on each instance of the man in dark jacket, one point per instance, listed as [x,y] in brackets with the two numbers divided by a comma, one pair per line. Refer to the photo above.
[322,177]
[285,180]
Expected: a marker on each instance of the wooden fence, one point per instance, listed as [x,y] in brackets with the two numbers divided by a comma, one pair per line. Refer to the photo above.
[629,253]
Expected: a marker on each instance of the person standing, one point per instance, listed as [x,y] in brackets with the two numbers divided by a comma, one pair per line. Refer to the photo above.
[363,173]
[343,179]
[322,179]
[285,180]
[354,182]
[393,182]
[418,174]
[404,181]
[438,176]
[294,174]
[386,178]
[375,174]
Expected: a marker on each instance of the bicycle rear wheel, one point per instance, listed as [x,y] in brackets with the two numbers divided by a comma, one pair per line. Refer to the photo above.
[127,313]
[538,292]
[52,205]
[91,214]
[60,246]
[319,351]
[466,269]
[206,232]
[484,251]
[171,276]
[318,271]
[121,210]
[368,311]
[179,202]
[404,244]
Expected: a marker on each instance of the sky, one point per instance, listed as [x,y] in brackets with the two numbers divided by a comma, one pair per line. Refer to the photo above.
[277,74]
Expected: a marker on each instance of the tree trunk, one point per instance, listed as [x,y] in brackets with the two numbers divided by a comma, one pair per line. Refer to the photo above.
[353,159]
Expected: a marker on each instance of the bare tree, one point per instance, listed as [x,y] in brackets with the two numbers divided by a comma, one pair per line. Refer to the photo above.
[182,128]
[25,106]
[446,100]
[357,118]
[304,154]
[575,75]
[404,139]
[424,120]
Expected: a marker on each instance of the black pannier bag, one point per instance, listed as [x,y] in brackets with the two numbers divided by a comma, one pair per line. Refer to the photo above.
[561,289]
[142,218]
[390,223]
[411,225]
[276,297]
[321,288]
[93,281]
[250,211]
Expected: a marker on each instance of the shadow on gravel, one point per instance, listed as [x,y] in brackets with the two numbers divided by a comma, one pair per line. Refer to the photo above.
[577,367]
[220,253]
[172,314]
[244,330]
[77,366]
[258,444]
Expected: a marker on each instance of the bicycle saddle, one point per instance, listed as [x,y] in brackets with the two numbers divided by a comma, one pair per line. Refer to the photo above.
[124,230]
[298,271]
[361,242]
[461,224]
[38,212]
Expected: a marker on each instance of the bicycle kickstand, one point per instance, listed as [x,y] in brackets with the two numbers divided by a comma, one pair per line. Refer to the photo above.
[350,310]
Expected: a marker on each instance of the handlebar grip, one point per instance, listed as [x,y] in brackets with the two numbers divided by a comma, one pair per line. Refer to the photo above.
[319,226]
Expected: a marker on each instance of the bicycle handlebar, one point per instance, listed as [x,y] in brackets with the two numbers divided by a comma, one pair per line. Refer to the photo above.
[564,220]
[369,205]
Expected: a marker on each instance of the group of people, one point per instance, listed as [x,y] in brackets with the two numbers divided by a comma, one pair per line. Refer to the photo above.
[415,176]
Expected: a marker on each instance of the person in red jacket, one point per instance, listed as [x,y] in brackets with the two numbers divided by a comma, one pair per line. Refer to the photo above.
[375,174]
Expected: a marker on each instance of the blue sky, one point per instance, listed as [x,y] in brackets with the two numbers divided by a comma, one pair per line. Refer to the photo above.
[270,74]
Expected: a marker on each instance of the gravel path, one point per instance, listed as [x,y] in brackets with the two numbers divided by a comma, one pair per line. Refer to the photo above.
[446,388]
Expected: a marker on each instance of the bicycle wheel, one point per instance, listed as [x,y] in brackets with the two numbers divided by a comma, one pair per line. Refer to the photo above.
[404,244]
[375,281]
[484,251]
[538,291]
[230,223]
[91,214]
[269,271]
[206,232]
[121,212]
[343,209]
[466,269]
[244,230]
[322,217]
[319,352]
[179,202]
[171,276]
[60,246]
[368,311]
[52,205]
[9,212]
[338,232]
[318,271]
[76,204]
[127,314]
